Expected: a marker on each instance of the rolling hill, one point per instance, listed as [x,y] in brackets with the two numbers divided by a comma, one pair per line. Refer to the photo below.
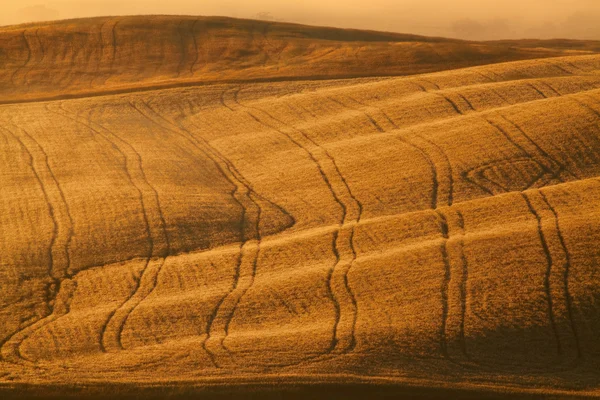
[120,54]
[204,205]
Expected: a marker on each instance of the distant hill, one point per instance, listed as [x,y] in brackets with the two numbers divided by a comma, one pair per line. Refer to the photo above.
[85,56]
[570,45]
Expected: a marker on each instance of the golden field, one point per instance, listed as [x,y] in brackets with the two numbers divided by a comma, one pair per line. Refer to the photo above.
[203,204]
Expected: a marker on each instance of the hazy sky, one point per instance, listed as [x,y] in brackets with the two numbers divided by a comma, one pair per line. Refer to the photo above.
[470,19]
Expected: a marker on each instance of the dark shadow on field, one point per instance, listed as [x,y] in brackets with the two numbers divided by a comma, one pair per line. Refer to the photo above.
[313,391]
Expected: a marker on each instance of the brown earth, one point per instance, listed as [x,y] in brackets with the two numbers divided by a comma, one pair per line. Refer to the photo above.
[207,217]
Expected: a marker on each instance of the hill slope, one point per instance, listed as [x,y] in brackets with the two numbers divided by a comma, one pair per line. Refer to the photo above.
[437,230]
[71,58]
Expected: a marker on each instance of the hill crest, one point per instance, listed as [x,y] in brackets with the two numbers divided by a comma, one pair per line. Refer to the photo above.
[75,58]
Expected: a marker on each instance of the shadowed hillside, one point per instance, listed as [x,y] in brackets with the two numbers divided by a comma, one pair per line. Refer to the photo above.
[429,235]
[71,58]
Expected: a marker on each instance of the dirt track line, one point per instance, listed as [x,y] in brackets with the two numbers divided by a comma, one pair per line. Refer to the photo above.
[540,151]
[182,43]
[550,166]
[448,165]
[224,164]
[428,156]
[456,285]
[507,104]
[222,99]
[336,278]
[463,358]
[443,222]
[170,84]
[149,277]
[102,45]
[484,76]
[58,199]
[152,214]
[594,150]
[11,354]
[66,217]
[246,202]
[453,104]
[421,87]
[59,246]
[475,175]
[195,40]
[444,96]
[255,198]
[17,70]
[467,177]
[114,42]
[42,50]
[588,107]
[548,273]
[463,286]
[39,53]
[435,85]
[369,117]
[550,87]
[107,47]
[464,98]
[113,329]
[531,85]
[110,336]
[342,297]
[218,322]
[11,348]
[425,153]
[504,99]
[559,67]
[101,52]
[566,274]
